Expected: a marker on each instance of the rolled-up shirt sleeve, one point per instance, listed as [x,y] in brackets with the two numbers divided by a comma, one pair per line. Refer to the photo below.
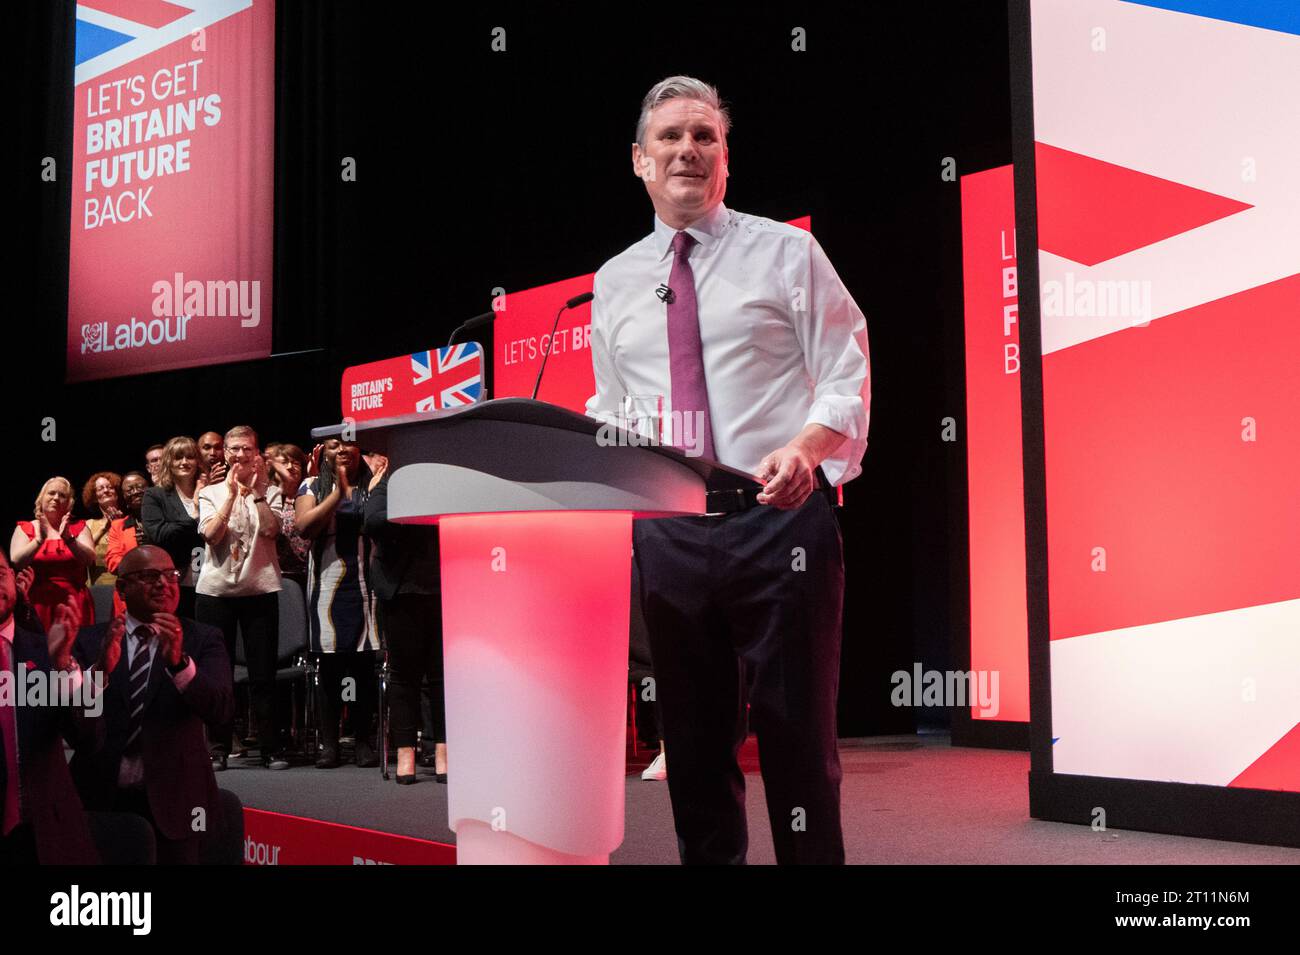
[606,403]
[833,333]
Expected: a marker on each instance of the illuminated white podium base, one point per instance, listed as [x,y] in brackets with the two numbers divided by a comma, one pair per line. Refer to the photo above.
[535,649]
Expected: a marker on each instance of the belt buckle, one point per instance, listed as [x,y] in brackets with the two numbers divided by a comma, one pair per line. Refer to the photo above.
[722,504]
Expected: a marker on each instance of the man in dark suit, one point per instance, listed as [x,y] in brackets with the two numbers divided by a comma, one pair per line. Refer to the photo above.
[41,817]
[166,677]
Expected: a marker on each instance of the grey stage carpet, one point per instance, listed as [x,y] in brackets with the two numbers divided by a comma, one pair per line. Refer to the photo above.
[906,799]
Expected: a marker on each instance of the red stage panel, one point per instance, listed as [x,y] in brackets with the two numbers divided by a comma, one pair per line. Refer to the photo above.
[1090,211]
[998,623]
[1278,768]
[1146,459]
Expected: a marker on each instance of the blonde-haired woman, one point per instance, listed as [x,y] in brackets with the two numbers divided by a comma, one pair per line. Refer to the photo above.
[169,514]
[58,549]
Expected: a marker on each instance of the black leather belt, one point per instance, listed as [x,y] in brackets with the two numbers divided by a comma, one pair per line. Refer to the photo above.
[732,500]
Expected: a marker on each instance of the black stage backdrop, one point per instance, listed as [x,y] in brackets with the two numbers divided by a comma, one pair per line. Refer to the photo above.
[478,169]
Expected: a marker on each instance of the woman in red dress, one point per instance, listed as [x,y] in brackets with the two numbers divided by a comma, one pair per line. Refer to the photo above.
[59,549]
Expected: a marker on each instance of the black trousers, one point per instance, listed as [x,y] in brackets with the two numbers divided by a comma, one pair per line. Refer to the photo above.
[333,668]
[19,847]
[640,672]
[258,618]
[748,604]
[412,625]
[170,851]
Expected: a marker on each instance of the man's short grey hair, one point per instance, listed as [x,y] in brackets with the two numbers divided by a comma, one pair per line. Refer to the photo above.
[673,87]
[240,431]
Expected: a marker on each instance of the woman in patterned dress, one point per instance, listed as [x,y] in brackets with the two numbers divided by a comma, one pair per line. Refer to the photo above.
[340,606]
[287,465]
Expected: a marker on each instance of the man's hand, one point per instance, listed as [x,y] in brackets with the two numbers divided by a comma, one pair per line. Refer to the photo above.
[232,479]
[169,631]
[259,483]
[788,478]
[23,582]
[282,470]
[217,472]
[378,467]
[789,473]
[111,650]
[63,631]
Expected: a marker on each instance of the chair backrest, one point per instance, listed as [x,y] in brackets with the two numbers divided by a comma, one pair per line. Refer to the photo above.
[123,838]
[102,597]
[293,625]
[293,620]
[223,843]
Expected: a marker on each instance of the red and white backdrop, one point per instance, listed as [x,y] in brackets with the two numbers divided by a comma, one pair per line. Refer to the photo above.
[172,185]
[1168,142]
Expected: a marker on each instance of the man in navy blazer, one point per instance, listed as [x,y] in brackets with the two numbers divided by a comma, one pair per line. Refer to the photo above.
[166,677]
[43,820]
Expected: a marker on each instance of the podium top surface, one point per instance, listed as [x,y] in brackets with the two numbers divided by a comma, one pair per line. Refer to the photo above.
[541,414]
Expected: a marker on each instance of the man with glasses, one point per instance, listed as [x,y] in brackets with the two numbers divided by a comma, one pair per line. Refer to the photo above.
[239,584]
[153,462]
[164,677]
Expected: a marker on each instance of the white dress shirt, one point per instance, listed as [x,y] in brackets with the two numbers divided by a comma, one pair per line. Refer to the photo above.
[784,343]
[256,567]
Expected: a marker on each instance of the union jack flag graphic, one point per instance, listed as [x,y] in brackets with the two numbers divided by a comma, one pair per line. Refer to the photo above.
[455,376]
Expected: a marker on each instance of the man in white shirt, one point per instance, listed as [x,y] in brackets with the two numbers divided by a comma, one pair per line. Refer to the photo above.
[743,328]
[240,581]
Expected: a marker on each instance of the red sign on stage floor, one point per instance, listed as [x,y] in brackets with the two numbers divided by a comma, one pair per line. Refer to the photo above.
[272,838]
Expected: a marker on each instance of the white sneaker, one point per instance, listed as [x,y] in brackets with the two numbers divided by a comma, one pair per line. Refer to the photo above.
[656,770]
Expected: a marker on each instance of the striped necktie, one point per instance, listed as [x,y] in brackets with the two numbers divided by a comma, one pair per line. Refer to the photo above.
[686,353]
[139,682]
[9,741]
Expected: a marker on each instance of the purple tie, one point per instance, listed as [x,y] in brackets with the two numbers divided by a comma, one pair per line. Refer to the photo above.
[685,353]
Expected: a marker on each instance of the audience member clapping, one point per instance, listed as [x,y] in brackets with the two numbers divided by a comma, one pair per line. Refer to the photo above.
[59,550]
[101,496]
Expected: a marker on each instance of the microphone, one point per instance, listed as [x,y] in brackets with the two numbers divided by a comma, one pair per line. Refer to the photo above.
[666,295]
[574,302]
[474,322]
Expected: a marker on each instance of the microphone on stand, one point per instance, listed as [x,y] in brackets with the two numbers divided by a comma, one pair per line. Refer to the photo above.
[474,322]
[574,302]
